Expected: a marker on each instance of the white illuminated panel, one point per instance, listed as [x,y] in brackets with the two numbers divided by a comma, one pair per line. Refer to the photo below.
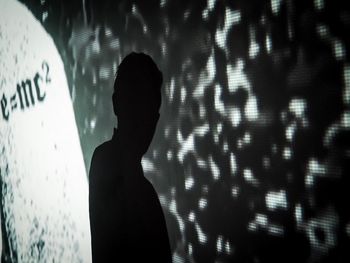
[44,184]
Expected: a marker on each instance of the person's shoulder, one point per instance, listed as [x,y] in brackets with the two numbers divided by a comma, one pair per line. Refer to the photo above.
[105,146]
[100,158]
[102,150]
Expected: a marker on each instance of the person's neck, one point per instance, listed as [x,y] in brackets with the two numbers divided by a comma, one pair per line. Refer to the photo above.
[130,149]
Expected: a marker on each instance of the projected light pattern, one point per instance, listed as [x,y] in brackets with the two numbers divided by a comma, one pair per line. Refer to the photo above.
[43,188]
[250,152]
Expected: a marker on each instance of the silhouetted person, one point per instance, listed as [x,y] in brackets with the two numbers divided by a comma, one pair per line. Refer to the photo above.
[126,218]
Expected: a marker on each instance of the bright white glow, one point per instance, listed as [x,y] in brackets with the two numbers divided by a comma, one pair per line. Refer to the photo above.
[252,226]
[189,182]
[201,130]
[183,94]
[205,14]
[44,17]
[219,128]
[275,6]
[202,237]
[345,120]
[214,168]
[225,147]
[147,165]
[202,203]
[178,258]
[173,210]
[268,43]
[236,16]
[206,77]
[93,123]
[330,132]
[233,164]
[202,111]
[261,220]
[228,248]
[201,163]
[169,155]
[246,138]
[173,207]
[96,47]
[251,109]
[236,77]
[231,17]
[315,167]
[104,72]
[187,145]
[211,4]
[219,243]
[248,176]
[298,214]
[171,89]
[46,182]
[218,104]
[239,143]
[211,68]
[235,116]
[191,216]
[108,32]
[114,44]
[254,47]
[276,200]
[287,153]
[181,223]
[179,136]
[235,191]
[216,137]
[338,49]
[163,200]
[290,130]
[309,180]
[190,249]
[297,107]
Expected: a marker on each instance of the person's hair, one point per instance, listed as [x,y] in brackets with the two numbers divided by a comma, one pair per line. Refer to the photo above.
[139,81]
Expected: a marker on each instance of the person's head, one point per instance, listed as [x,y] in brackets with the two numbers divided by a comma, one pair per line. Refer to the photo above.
[137,97]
